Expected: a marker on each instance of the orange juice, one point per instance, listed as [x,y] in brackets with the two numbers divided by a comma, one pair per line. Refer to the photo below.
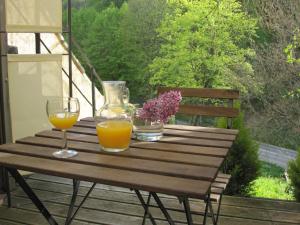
[63,120]
[114,135]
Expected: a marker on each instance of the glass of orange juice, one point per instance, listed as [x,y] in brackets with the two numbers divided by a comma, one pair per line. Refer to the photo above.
[114,135]
[63,114]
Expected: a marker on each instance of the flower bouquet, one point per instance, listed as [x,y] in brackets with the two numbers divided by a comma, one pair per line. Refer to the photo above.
[149,120]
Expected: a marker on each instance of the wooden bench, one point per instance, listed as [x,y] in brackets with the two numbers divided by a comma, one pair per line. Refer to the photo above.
[228,111]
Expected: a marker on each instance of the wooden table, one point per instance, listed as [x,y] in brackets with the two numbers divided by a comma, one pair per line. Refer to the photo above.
[184,163]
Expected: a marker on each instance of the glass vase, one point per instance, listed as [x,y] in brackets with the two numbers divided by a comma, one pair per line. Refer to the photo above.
[147,130]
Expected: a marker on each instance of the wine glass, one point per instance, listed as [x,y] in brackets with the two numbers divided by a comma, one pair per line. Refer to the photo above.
[63,114]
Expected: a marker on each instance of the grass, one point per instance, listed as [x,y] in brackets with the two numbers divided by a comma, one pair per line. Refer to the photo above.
[271,184]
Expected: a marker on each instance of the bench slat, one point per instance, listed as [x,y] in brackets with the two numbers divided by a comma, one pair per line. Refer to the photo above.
[204,110]
[204,92]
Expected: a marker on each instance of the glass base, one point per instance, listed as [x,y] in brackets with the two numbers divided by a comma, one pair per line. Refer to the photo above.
[113,149]
[148,136]
[65,153]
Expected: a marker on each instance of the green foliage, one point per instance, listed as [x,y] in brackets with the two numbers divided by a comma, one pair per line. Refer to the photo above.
[141,43]
[268,187]
[271,116]
[271,183]
[294,175]
[95,4]
[242,161]
[121,40]
[81,21]
[102,4]
[177,43]
[103,44]
[205,44]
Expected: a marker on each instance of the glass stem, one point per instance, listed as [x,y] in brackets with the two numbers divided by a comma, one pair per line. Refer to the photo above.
[65,143]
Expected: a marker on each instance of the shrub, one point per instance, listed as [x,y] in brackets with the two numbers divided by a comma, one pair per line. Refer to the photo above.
[294,175]
[242,161]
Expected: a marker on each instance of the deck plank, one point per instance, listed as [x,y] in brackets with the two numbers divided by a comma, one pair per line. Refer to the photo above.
[115,206]
[8,222]
[27,217]
[259,203]
[129,198]
[231,211]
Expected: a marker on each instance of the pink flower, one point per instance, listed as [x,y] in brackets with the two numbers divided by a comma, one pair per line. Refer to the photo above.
[161,108]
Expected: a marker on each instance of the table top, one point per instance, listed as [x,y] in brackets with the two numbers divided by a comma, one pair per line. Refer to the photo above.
[184,162]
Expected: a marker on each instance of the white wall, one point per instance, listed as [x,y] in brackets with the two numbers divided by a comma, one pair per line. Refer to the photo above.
[26,45]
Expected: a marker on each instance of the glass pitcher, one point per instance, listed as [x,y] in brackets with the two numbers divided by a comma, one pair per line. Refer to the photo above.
[113,120]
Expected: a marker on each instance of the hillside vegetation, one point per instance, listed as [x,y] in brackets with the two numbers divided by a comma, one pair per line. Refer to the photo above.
[201,43]
[274,113]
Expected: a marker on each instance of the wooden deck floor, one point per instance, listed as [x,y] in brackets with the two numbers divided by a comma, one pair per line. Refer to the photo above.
[114,206]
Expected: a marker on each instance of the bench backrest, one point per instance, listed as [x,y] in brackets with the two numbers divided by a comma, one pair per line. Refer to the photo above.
[212,110]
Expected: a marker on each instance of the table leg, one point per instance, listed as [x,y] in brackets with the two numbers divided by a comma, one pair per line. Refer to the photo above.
[215,217]
[187,210]
[145,206]
[36,201]
[162,208]
[7,188]
[207,203]
[75,193]
[212,214]
[219,208]
[147,209]
[76,185]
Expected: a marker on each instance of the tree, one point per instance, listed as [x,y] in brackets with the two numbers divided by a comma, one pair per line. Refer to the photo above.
[103,4]
[141,43]
[103,44]
[81,21]
[274,111]
[121,42]
[81,24]
[205,45]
